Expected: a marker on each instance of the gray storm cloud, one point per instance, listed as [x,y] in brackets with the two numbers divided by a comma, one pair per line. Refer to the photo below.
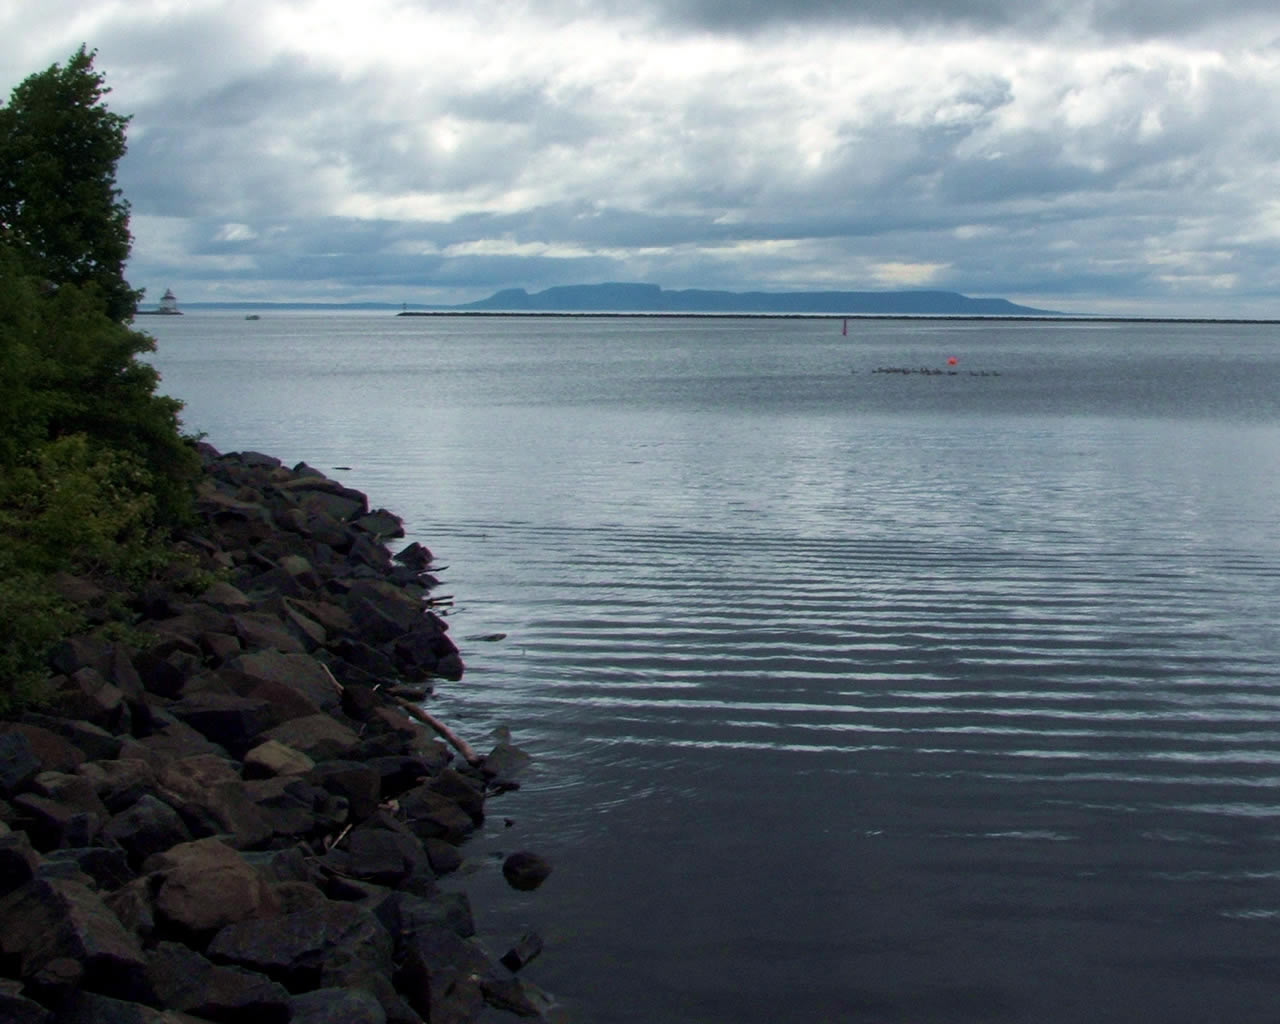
[1092,156]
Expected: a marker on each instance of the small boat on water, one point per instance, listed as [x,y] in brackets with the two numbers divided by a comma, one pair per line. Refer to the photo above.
[253,316]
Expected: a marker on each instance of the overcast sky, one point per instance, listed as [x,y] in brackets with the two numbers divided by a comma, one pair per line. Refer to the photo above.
[1106,156]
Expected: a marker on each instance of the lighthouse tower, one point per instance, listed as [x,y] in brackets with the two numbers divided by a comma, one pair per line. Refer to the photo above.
[169,302]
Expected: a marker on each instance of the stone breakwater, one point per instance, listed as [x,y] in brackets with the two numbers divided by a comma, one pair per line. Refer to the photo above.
[244,814]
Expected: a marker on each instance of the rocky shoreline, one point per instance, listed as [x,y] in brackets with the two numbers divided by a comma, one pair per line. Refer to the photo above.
[239,810]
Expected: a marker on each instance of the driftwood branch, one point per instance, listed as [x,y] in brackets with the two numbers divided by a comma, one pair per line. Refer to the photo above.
[426,718]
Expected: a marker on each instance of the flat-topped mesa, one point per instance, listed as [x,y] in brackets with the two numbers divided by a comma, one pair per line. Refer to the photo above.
[242,816]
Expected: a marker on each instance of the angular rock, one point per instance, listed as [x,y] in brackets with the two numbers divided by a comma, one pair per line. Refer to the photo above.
[119,783]
[336,1006]
[18,861]
[18,763]
[79,652]
[440,974]
[172,738]
[262,632]
[444,856]
[92,741]
[381,524]
[379,855]
[107,869]
[52,823]
[79,1007]
[365,553]
[514,995]
[184,980]
[226,719]
[131,904]
[310,632]
[18,1009]
[159,676]
[148,827]
[384,606]
[465,791]
[308,949]
[53,751]
[226,598]
[415,556]
[220,647]
[504,762]
[318,736]
[359,783]
[212,799]
[205,885]
[49,920]
[300,672]
[326,497]
[401,772]
[274,758]
[519,955]
[403,914]
[332,617]
[295,808]
[430,815]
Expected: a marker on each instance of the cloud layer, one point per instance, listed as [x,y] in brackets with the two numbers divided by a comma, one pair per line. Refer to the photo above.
[1095,157]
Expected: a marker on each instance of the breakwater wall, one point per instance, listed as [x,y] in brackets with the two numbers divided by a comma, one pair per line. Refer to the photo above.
[240,810]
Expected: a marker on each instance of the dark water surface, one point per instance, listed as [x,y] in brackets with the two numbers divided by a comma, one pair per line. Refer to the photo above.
[855,696]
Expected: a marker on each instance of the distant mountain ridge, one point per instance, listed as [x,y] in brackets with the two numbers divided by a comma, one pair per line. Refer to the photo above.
[621,297]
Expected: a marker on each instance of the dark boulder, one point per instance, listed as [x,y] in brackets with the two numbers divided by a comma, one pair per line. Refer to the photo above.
[226,719]
[464,790]
[336,1006]
[504,762]
[206,885]
[297,671]
[404,914]
[431,815]
[320,737]
[119,783]
[92,741]
[52,823]
[415,556]
[308,949]
[148,827]
[525,871]
[384,856]
[106,868]
[440,974]
[184,980]
[45,921]
[18,861]
[519,955]
[18,1009]
[273,758]
[18,763]
[359,783]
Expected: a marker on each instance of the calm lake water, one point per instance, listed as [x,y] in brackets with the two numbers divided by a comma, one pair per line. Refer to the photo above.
[854,696]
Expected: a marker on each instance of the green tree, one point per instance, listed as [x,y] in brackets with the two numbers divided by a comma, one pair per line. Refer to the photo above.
[60,209]
[94,470]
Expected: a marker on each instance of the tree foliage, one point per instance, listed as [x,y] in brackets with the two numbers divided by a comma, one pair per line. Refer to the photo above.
[60,209]
[94,468]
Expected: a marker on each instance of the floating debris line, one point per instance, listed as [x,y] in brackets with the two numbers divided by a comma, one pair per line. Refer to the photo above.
[932,372]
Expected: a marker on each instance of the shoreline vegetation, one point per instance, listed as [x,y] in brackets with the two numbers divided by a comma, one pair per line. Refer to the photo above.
[241,807]
[221,796]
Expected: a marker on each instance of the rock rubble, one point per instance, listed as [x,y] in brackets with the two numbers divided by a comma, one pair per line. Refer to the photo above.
[236,815]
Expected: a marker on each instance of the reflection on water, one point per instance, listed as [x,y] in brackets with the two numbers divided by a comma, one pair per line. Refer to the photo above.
[855,696]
